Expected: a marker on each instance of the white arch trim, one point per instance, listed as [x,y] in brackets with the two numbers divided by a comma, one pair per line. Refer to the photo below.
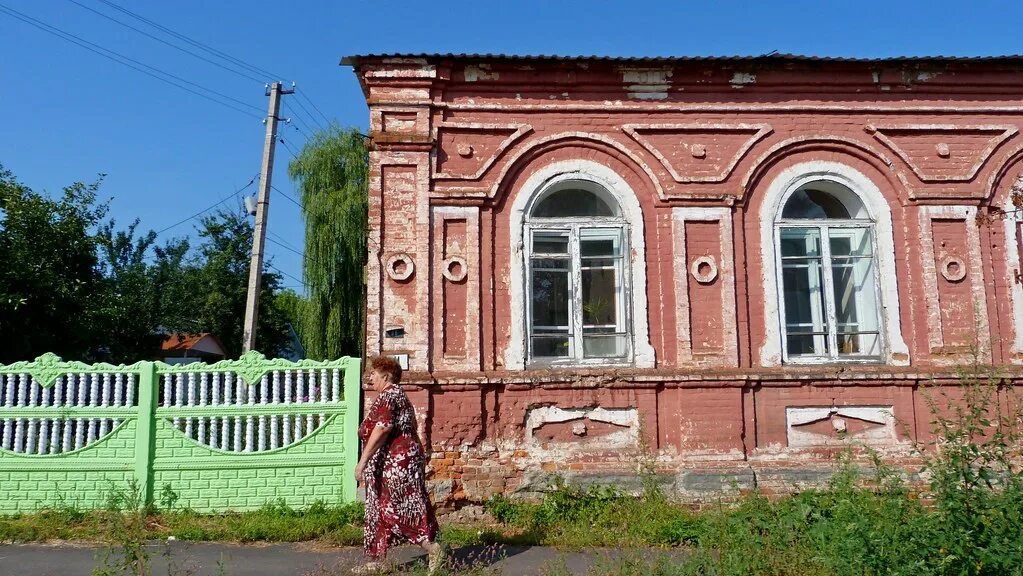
[1013,264]
[896,351]
[643,351]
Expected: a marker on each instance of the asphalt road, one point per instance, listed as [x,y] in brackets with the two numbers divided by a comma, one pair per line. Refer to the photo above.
[215,559]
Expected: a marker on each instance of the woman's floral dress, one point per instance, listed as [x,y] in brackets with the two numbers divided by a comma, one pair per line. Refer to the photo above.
[397,505]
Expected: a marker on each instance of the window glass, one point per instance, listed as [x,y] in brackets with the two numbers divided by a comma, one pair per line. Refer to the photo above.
[578,288]
[601,266]
[803,285]
[855,296]
[572,202]
[810,203]
[830,306]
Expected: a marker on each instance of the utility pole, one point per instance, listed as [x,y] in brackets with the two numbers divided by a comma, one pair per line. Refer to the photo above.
[274,91]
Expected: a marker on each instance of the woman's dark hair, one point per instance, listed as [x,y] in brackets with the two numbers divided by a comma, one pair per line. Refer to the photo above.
[387,366]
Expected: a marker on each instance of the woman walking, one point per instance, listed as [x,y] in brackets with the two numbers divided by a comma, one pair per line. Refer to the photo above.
[392,468]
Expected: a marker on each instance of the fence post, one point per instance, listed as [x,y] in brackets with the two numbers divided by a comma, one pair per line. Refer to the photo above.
[353,410]
[145,430]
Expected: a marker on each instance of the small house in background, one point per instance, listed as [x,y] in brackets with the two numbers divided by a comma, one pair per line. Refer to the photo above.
[188,348]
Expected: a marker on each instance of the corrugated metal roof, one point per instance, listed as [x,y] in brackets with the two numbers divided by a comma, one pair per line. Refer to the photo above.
[773,56]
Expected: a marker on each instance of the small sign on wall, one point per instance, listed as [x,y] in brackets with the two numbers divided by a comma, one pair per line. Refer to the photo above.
[402,360]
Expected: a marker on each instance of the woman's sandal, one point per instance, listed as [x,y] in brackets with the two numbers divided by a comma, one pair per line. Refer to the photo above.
[436,559]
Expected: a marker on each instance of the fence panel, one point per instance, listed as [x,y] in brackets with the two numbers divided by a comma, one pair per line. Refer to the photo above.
[231,435]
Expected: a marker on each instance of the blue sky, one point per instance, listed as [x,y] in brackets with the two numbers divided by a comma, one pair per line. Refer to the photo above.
[70,114]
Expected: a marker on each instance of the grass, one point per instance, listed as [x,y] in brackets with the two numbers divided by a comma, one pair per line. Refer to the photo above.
[274,522]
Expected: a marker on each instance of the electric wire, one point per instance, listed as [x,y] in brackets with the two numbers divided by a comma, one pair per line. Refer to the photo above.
[295,116]
[309,114]
[193,42]
[208,208]
[289,197]
[213,51]
[288,147]
[278,270]
[172,45]
[282,245]
[315,107]
[279,238]
[129,62]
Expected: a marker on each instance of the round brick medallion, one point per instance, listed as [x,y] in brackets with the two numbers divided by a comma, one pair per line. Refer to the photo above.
[400,267]
[704,269]
[454,268]
[953,268]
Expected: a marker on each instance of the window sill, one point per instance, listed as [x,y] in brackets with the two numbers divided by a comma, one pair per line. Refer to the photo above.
[588,363]
[823,361]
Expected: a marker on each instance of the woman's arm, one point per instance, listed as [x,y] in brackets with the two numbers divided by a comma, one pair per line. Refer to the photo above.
[373,443]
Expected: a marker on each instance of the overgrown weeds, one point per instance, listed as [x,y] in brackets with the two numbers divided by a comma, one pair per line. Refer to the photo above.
[123,519]
[968,519]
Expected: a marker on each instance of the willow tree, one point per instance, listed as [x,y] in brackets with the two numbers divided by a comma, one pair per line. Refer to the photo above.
[331,173]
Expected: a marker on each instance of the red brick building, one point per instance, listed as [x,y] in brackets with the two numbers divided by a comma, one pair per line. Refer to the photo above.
[728,267]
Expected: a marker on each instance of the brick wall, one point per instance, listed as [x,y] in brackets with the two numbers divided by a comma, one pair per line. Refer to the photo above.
[705,148]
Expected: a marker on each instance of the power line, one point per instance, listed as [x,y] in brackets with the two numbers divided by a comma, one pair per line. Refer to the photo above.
[286,195]
[290,149]
[129,62]
[282,240]
[315,107]
[213,51]
[296,116]
[207,209]
[193,42]
[282,245]
[172,45]
[272,267]
[309,114]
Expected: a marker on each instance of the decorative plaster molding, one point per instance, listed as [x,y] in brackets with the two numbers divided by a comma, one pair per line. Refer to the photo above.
[759,132]
[624,106]
[400,267]
[968,215]
[879,429]
[704,277]
[517,132]
[808,139]
[1000,134]
[729,355]
[953,268]
[454,262]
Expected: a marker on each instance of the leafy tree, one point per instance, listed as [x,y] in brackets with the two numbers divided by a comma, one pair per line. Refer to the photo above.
[130,307]
[83,288]
[331,172]
[209,295]
[49,278]
[293,305]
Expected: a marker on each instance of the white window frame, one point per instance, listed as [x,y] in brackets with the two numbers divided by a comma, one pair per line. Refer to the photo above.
[574,227]
[823,226]
[522,195]
[778,189]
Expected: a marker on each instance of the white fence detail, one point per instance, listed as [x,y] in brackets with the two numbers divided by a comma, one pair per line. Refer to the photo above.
[300,388]
[72,394]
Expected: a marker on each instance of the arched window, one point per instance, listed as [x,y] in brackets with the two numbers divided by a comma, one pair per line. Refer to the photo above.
[577,285]
[826,254]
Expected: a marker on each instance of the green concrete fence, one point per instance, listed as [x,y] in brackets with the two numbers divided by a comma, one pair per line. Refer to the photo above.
[226,436]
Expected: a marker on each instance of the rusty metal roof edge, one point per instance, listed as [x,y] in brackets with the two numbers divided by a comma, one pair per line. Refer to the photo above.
[354,59]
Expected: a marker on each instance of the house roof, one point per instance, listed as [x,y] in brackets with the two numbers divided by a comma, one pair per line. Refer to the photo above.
[204,342]
[777,57]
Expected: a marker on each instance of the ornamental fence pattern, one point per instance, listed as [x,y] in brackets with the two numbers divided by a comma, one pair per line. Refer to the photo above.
[226,436]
